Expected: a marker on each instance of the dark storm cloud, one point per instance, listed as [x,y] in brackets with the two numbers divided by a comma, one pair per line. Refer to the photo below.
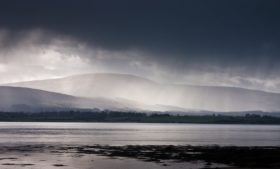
[236,36]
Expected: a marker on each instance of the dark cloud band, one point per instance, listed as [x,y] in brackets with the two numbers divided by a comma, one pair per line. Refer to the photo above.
[238,36]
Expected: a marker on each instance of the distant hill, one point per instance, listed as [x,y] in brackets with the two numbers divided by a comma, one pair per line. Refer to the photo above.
[141,90]
[32,100]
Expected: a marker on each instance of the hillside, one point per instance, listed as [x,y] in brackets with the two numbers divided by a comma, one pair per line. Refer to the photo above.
[120,86]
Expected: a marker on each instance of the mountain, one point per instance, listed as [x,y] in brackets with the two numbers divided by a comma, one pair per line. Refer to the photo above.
[141,90]
[31,100]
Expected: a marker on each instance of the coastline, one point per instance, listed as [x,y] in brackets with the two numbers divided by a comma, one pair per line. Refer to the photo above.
[137,117]
[164,156]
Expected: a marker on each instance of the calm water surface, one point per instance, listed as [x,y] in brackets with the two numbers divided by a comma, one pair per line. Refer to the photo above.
[137,133]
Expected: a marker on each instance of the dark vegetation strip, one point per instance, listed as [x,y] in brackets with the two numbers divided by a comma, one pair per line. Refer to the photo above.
[115,116]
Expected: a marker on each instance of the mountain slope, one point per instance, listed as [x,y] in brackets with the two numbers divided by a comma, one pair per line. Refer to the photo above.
[27,99]
[148,92]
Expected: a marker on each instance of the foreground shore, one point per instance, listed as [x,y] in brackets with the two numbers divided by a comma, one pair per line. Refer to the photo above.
[136,156]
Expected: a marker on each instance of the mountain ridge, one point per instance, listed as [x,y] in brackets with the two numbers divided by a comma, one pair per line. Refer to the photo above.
[138,77]
[209,98]
[29,99]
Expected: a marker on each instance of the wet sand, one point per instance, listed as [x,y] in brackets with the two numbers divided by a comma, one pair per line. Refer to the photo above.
[137,157]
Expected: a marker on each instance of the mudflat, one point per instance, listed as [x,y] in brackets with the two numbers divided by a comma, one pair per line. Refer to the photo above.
[138,156]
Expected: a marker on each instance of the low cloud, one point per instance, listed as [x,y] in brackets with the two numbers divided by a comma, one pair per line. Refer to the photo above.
[40,54]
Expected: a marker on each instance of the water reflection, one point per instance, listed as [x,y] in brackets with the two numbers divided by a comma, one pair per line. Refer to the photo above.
[136,133]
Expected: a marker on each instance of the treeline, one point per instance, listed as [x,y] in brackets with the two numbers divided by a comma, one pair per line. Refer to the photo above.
[115,116]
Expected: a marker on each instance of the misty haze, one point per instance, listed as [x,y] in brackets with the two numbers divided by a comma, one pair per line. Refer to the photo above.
[140,84]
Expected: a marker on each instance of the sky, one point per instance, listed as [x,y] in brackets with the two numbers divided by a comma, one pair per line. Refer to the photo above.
[222,43]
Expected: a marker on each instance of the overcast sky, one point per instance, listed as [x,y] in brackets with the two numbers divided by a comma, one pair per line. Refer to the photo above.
[205,42]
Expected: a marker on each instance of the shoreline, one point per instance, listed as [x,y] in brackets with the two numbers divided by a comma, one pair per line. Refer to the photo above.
[164,155]
[138,117]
